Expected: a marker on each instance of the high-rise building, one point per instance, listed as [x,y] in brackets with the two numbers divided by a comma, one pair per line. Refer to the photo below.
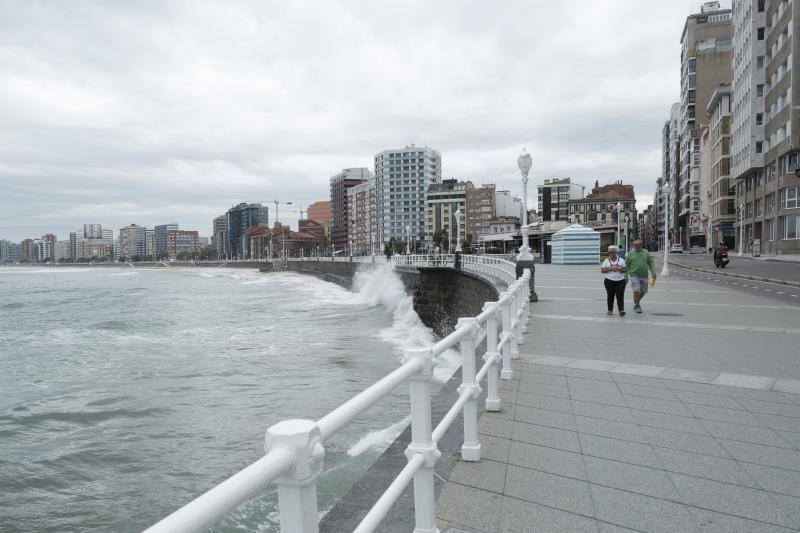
[705,65]
[507,205]
[720,197]
[444,200]
[162,249]
[219,235]
[480,204]
[62,251]
[93,231]
[238,219]
[554,196]
[181,242]
[5,251]
[26,250]
[133,243]
[362,230]
[402,178]
[340,183]
[320,211]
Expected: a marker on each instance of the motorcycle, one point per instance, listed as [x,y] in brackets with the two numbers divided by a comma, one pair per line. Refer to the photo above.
[721,259]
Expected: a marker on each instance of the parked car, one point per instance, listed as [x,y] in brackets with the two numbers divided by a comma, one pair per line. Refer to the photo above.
[676,249]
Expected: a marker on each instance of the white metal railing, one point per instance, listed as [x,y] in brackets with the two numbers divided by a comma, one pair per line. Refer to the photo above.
[295,448]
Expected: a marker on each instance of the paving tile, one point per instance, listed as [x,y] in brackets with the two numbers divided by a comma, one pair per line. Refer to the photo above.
[744,381]
[638,370]
[638,512]
[543,369]
[784,423]
[551,490]
[549,460]
[642,381]
[592,385]
[498,427]
[755,435]
[611,528]
[494,448]
[469,507]
[762,455]
[551,360]
[680,440]
[543,417]
[666,421]
[775,479]
[607,398]
[506,411]
[790,506]
[791,437]
[484,474]
[657,405]
[597,410]
[546,436]
[639,479]
[596,365]
[619,450]
[525,517]
[708,399]
[610,428]
[787,385]
[706,466]
[547,379]
[773,408]
[712,522]
[550,403]
[645,391]
[731,499]
[735,416]
[694,376]
[531,387]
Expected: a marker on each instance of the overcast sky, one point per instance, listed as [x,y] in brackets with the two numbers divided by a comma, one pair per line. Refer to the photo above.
[147,112]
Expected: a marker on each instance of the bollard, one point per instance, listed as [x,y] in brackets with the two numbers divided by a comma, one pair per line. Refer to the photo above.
[505,306]
[471,448]
[492,397]
[297,492]
[422,442]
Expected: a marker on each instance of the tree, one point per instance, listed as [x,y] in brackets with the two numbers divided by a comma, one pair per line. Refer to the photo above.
[440,239]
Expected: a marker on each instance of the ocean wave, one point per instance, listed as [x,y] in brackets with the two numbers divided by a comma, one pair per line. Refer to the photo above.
[378,439]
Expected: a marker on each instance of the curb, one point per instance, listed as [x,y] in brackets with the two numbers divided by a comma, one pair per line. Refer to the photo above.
[740,276]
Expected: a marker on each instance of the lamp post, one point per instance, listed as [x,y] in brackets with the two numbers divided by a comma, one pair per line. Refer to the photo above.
[665,268]
[627,219]
[524,163]
[408,239]
[619,223]
[741,229]
[457,214]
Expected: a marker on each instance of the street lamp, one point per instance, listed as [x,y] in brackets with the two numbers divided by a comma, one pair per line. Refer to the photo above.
[408,239]
[524,163]
[741,229]
[457,214]
[619,223]
[627,219]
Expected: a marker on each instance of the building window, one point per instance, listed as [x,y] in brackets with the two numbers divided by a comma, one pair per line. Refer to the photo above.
[791,227]
[760,62]
[760,6]
[760,90]
[759,147]
[792,201]
[771,226]
[760,34]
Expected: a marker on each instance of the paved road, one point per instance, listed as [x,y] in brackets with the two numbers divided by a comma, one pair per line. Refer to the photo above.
[680,419]
[744,265]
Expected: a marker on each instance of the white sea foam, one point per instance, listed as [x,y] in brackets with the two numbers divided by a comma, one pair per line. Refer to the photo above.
[379,439]
[126,273]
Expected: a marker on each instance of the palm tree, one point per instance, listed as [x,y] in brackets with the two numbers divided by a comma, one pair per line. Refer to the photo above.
[440,239]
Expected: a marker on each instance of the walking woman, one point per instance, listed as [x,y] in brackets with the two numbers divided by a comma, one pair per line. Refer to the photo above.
[614,269]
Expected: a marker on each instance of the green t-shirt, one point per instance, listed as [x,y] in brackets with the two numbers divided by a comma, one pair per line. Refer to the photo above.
[640,263]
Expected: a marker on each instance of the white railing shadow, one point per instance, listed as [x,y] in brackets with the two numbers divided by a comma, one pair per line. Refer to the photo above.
[295,449]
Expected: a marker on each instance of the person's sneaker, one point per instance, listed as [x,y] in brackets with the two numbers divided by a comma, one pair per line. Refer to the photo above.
[637,309]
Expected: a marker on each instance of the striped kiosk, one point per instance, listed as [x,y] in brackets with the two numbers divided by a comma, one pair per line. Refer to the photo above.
[575,245]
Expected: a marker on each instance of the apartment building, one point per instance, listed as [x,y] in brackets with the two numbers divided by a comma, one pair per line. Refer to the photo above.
[339,184]
[444,200]
[362,234]
[132,242]
[402,178]
[554,196]
[237,221]
[182,242]
[603,208]
[481,209]
[705,65]
[719,202]
[161,240]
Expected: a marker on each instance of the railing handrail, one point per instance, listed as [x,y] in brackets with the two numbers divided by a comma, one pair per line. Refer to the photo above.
[295,448]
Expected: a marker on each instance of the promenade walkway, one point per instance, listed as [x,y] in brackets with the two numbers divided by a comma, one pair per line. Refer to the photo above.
[685,418]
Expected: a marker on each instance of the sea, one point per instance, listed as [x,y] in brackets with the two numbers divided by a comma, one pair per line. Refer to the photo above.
[127,392]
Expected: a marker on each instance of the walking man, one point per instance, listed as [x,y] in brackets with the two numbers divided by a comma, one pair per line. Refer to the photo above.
[640,264]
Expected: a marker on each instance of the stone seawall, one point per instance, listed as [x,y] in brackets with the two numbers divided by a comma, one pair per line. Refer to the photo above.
[441,295]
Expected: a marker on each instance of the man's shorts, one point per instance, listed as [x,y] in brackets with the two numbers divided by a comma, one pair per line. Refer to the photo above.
[639,284]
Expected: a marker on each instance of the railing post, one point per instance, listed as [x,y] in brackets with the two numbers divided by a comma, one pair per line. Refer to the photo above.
[422,442]
[297,492]
[513,290]
[471,448]
[492,397]
[505,306]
